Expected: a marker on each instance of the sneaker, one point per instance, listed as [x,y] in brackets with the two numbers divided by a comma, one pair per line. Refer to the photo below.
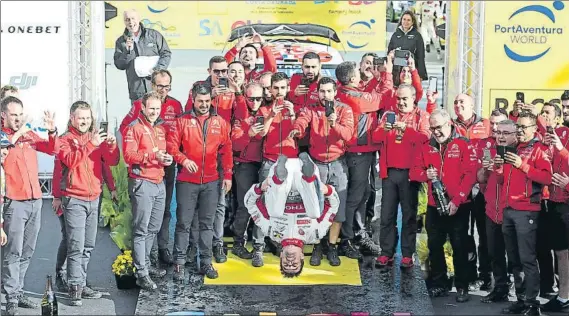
[367,244]
[383,261]
[11,309]
[533,310]
[192,255]
[209,271]
[555,305]
[157,273]
[280,169]
[316,256]
[146,283]
[165,256]
[332,256]
[26,302]
[307,165]
[75,292]
[178,273]
[258,255]
[219,254]
[462,296]
[438,292]
[347,249]
[240,251]
[89,293]
[61,283]
[407,262]
[517,307]
[497,295]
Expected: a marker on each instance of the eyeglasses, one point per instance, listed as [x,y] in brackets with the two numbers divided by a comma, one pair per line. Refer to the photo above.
[255,99]
[160,86]
[219,71]
[437,128]
[498,133]
[524,127]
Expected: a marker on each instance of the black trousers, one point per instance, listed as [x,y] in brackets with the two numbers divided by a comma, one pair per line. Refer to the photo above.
[544,250]
[397,189]
[520,236]
[497,254]
[455,227]
[478,218]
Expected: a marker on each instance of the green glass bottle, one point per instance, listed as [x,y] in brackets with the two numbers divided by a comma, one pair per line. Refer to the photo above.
[49,301]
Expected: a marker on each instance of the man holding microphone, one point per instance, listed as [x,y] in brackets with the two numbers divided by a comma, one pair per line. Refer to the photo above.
[144,150]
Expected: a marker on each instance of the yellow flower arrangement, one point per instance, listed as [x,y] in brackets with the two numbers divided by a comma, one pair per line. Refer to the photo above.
[123,264]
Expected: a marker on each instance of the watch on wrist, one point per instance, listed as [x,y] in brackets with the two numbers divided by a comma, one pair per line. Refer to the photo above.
[52,131]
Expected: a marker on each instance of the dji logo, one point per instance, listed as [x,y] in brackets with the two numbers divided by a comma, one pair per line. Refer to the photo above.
[24,81]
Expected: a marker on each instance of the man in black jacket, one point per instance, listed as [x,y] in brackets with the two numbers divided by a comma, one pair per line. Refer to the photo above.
[138,41]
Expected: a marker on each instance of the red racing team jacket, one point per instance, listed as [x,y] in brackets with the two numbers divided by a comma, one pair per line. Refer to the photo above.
[170,109]
[397,154]
[560,165]
[455,162]
[390,99]
[327,143]
[523,187]
[57,173]
[203,139]
[82,164]
[24,184]
[142,140]
[491,188]
[276,141]
[365,107]
[245,148]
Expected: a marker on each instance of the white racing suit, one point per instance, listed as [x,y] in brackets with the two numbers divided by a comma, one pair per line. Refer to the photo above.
[294,208]
[429,12]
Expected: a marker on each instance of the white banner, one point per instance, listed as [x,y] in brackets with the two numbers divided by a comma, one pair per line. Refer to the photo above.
[35,59]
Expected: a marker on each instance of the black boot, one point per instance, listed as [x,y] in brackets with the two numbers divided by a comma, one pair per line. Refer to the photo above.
[462,295]
[146,283]
[316,256]
[347,249]
[165,256]
[518,307]
[332,255]
[497,295]
[209,271]
[240,251]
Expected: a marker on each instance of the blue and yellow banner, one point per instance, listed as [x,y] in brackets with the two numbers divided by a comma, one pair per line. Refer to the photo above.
[526,49]
[207,24]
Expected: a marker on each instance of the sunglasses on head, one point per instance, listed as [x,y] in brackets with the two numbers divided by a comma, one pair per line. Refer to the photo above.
[219,71]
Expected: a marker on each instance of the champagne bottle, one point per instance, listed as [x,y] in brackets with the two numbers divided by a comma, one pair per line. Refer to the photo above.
[440,195]
[49,301]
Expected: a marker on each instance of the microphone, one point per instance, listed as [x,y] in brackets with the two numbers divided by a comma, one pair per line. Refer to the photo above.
[129,36]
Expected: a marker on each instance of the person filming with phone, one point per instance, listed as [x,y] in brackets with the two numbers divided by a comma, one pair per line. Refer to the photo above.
[82,155]
[144,150]
[398,134]
[331,126]
[246,50]
[247,156]
[493,150]
[557,224]
[523,171]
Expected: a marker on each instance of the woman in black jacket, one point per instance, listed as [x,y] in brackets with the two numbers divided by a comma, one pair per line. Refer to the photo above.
[408,37]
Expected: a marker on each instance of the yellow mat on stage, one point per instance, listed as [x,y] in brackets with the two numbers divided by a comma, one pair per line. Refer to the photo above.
[237,271]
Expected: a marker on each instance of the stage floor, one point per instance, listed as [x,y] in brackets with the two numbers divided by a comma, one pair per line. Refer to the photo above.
[381,293]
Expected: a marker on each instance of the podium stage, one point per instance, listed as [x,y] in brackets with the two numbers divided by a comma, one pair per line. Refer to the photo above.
[314,292]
